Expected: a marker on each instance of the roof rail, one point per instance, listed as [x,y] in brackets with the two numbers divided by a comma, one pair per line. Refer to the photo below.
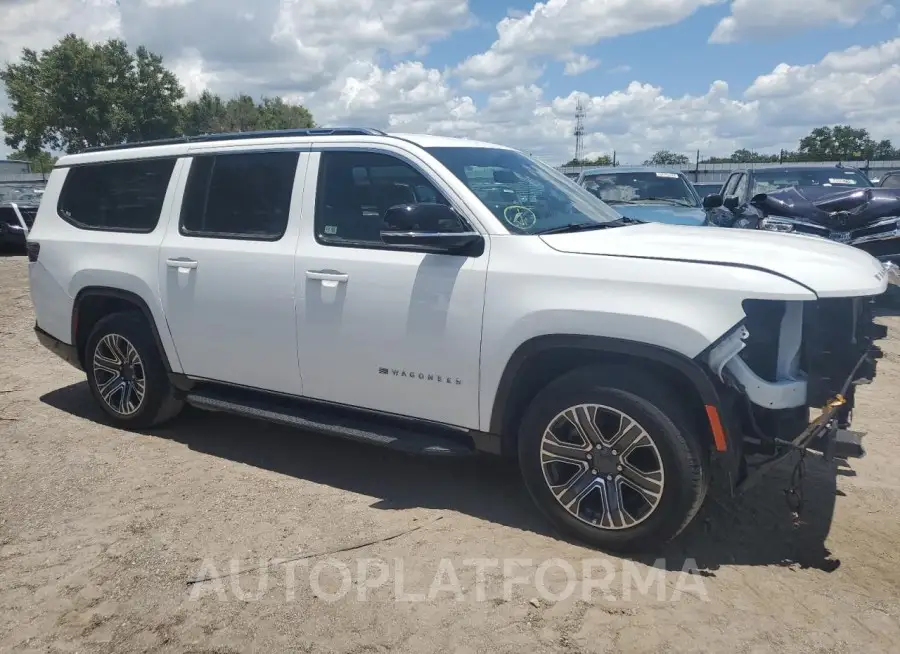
[237,136]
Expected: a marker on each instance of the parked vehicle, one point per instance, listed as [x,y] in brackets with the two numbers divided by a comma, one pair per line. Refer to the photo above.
[381,288]
[707,188]
[890,180]
[15,221]
[646,193]
[835,203]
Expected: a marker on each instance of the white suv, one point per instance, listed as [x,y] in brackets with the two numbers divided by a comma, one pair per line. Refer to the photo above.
[444,297]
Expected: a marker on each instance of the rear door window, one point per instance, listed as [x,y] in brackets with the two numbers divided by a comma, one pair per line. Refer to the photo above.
[245,195]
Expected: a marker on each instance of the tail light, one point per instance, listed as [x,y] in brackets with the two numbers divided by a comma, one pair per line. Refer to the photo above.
[33,249]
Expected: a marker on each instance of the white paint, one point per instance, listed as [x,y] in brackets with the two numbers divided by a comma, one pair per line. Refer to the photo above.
[302,318]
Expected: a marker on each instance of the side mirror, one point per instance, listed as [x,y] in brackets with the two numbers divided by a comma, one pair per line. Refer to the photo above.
[430,227]
[712,201]
[731,202]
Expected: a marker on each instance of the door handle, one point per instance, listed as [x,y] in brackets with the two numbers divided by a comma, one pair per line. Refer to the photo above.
[181,263]
[327,276]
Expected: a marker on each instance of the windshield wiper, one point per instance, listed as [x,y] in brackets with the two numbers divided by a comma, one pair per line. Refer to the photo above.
[583,227]
[680,203]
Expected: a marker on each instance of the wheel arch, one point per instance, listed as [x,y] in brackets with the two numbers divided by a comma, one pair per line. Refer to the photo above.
[94,302]
[543,358]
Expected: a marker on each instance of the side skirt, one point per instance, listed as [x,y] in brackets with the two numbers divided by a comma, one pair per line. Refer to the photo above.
[397,433]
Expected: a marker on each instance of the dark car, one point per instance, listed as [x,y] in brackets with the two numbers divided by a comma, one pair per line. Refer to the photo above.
[15,222]
[890,179]
[835,202]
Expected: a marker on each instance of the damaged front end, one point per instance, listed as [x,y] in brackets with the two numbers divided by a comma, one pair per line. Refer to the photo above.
[786,358]
[867,218]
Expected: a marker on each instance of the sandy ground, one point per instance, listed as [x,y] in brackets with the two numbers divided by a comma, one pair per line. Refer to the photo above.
[101,531]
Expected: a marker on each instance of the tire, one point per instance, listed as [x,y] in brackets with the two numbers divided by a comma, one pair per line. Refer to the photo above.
[665,459]
[128,333]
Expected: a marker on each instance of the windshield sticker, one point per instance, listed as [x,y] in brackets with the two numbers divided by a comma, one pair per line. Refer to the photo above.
[331,229]
[668,175]
[839,180]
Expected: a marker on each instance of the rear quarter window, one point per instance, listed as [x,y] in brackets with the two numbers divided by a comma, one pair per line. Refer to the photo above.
[121,196]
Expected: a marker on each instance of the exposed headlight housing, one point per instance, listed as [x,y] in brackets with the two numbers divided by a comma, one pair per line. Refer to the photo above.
[776,225]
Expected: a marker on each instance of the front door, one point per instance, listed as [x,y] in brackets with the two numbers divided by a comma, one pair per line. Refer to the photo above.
[227,269]
[384,328]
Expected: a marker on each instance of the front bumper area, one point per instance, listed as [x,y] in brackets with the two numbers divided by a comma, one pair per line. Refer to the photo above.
[881,239]
[64,351]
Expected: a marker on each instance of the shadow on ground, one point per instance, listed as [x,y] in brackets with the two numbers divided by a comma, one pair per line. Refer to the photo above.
[756,529]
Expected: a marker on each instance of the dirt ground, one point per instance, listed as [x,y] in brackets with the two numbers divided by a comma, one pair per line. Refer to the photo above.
[101,532]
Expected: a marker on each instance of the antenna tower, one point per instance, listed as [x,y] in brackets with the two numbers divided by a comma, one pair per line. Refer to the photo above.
[579,130]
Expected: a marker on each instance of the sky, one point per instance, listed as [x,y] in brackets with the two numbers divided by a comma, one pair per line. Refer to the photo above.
[681,75]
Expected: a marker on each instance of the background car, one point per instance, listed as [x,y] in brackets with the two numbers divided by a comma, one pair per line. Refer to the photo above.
[836,203]
[890,179]
[707,188]
[646,193]
[18,207]
[731,207]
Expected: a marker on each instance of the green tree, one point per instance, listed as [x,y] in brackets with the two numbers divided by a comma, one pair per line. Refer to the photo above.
[885,150]
[602,160]
[744,155]
[843,142]
[43,161]
[210,114]
[667,158]
[77,95]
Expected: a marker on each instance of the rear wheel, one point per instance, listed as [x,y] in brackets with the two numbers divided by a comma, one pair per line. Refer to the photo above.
[611,459]
[126,373]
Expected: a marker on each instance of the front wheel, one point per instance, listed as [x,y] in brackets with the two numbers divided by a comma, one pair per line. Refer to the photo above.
[611,460]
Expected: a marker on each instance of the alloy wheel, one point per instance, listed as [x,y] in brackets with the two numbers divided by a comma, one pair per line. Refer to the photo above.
[602,466]
[119,374]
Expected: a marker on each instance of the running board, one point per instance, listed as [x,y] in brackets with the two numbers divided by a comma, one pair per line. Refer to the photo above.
[334,422]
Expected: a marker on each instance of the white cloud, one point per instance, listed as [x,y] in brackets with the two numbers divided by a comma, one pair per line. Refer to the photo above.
[753,19]
[371,76]
[576,64]
[558,26]
[38,24]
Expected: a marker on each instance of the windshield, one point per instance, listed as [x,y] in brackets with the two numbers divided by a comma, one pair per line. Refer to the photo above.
[766,181]
[527,196]
[641,187]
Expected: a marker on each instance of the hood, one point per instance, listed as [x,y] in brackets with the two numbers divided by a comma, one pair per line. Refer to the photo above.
[846,209]
[827,268]
[663,213]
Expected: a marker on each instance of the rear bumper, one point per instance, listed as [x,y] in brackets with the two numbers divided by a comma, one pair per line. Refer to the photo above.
[64,351]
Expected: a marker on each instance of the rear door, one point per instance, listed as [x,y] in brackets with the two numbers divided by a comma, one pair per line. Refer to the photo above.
[226,268]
